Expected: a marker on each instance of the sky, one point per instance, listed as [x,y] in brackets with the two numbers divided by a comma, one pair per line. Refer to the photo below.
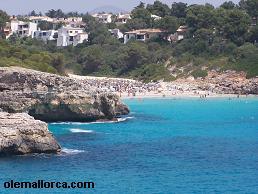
[82,6]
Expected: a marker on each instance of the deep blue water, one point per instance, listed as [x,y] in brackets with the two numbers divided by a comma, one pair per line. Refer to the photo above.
[168,146]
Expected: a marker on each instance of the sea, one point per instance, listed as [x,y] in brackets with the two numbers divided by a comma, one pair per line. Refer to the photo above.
[164,146]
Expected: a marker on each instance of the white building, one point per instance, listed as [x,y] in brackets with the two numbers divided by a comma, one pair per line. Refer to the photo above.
[22,29]
[74,19]
[103,17]
[26,29]
[155,17]
[46,35]
[179,35]
[181,31]
[8,30]
[122,18]
[59,20]
[71,36]
[143,34]
[75,22]
[37,19]
[116,33]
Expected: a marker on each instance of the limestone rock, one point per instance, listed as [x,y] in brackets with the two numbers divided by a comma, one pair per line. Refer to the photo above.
[54,98]
[229,82]
[22,134]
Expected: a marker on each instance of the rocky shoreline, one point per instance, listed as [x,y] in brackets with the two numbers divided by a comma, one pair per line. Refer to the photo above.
[54,98]
[49,98]
[227,82]
[26,95]
[216,83]
[22,134]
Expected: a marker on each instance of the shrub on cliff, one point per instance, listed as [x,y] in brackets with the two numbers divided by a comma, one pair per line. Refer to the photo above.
[23,55]
[246,58]
[199,73]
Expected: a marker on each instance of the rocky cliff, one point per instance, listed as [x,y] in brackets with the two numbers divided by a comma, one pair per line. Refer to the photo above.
[25,94]
[229,82]
[226,82]
[22,134]
[51,98]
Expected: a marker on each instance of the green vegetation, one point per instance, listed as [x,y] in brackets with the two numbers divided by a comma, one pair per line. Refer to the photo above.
[217,38]
[121,60]
[199,73]
[28,54]
[3,19]
[245,59]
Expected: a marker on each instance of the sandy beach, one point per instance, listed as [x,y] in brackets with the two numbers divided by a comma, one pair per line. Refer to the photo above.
[133,89]
[167,95]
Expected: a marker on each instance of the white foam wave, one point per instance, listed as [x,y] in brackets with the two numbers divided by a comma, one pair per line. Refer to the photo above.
[71,151]
[118,120]
[81,131]
[68,123]
[121,120]
[129,117]
[97,122]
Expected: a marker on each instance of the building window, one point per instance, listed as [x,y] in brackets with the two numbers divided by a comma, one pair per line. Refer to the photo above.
[71,38]
[44,33]
[55,35]
[140,37]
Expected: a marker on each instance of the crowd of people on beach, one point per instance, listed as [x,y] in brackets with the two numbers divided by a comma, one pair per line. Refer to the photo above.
[128,88]
[123,86]
[133,88]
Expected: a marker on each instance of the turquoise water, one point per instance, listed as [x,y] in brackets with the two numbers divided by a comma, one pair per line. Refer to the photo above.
[166,146]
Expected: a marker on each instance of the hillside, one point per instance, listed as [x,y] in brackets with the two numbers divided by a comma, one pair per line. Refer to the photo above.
[221,38]
[29,54]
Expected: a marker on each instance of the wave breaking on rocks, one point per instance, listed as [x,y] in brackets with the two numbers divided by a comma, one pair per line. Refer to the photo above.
[49,98]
